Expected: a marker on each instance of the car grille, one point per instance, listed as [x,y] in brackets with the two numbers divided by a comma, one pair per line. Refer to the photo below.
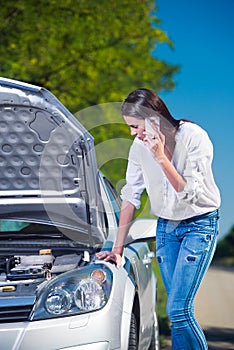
[15,313]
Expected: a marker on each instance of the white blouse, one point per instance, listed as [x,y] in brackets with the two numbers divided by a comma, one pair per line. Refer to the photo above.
[192,157]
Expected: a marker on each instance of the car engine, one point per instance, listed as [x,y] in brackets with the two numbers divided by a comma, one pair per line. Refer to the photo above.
[21,275]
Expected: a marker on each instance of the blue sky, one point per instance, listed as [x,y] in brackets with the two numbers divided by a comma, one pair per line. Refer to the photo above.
[203,32]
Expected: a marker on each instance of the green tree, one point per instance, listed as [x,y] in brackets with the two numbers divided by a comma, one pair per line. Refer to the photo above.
[85,51]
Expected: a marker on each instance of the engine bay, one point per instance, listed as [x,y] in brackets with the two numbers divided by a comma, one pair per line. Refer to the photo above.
[21,274]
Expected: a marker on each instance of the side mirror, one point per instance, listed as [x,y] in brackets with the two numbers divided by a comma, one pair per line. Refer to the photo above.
[142,230]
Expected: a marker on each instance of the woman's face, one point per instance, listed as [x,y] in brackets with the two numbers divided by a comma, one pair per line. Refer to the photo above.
[137,126]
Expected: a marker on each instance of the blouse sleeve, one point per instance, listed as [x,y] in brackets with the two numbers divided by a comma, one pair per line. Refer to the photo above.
[135,184]
[199,156]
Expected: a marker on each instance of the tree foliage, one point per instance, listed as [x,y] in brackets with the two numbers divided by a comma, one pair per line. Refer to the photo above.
[85,51]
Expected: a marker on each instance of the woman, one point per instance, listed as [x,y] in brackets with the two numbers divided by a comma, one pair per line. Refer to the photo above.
[173,163]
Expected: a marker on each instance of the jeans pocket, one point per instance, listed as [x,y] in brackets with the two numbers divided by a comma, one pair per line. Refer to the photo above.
[198,243]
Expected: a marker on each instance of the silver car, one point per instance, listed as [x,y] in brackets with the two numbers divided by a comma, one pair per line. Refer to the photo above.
[56,211]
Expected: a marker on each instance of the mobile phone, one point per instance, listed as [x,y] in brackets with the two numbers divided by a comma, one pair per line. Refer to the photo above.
[152,125]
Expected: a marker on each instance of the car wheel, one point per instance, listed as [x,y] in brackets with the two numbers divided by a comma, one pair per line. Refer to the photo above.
[132,342]
[154,344]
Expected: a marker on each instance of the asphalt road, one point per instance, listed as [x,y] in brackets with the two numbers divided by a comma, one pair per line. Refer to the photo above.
[214,308]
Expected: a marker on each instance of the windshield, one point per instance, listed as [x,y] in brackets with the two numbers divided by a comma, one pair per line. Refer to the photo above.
[23,229]
[12,226]
[16,230]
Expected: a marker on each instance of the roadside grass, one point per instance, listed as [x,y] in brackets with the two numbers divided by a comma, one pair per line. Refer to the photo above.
[225,261]
[224,254]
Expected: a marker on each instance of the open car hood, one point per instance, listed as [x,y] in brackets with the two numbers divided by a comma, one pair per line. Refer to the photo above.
[48,170]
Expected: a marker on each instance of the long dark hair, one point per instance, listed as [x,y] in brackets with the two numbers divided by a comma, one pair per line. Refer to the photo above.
[144,103]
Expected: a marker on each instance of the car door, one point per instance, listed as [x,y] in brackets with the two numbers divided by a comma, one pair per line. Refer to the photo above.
[140,257]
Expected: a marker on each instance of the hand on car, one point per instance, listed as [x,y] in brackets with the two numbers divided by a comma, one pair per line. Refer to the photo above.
[111,257]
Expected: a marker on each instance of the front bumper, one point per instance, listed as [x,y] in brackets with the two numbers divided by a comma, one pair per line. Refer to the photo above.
[95,331]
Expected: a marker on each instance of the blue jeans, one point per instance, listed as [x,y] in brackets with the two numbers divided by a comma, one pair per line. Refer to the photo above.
[184,252]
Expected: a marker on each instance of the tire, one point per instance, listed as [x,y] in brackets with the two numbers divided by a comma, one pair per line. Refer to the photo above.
[132,341]
[154,344]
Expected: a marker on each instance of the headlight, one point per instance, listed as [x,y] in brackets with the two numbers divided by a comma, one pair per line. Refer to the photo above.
[75,292]
[89,296]
[58,301]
